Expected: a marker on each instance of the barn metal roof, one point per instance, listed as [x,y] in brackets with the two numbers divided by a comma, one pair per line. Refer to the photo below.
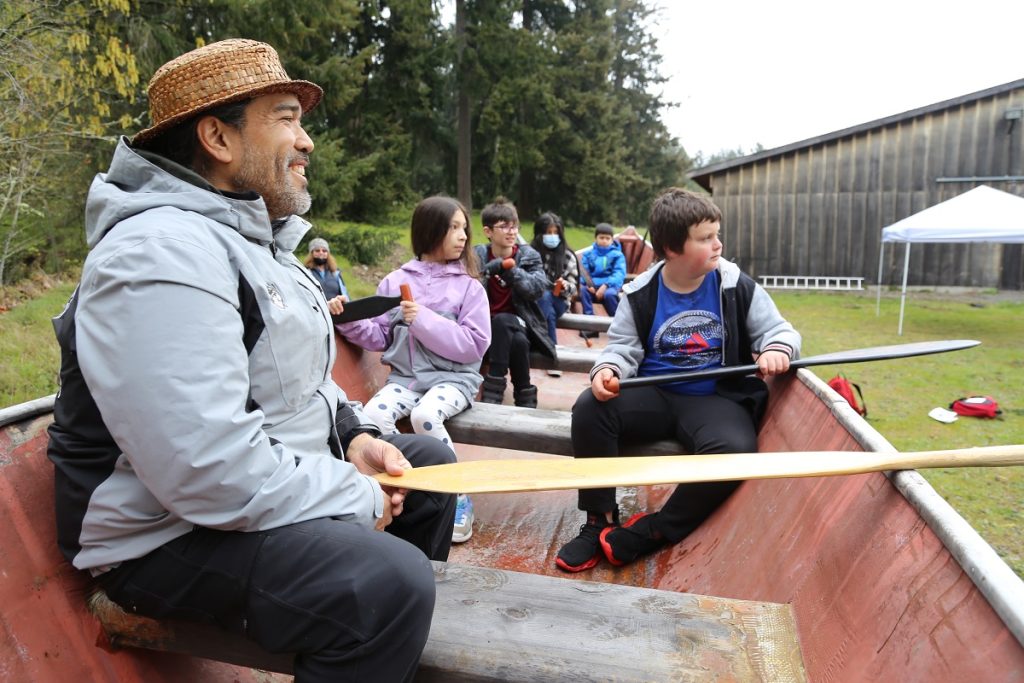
[702,176]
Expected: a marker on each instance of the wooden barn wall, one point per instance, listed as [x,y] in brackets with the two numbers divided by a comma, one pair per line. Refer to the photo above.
[820,210]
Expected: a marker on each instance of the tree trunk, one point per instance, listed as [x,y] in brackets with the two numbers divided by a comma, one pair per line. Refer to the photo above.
[464,136]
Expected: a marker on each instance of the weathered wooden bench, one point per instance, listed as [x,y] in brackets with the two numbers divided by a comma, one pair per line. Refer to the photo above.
[531,429]
[570,359]
[588,323]
[495,625]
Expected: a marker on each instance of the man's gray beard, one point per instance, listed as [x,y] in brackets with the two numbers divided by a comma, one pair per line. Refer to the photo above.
[295,202]
[282,201]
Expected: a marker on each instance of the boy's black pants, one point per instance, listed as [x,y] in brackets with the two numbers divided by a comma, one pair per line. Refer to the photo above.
[510,349]
[703,424]
[354,604]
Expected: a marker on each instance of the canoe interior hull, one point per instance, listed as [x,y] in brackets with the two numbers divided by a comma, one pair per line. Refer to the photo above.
[875,594]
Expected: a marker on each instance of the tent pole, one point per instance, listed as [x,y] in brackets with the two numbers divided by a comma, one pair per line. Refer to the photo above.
[903,293]
[878,301]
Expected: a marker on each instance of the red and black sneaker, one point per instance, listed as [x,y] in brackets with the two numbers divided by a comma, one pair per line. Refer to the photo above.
[584,551]
[637,537]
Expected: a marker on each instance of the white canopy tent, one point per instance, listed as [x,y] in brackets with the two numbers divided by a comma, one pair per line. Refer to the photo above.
[983,214]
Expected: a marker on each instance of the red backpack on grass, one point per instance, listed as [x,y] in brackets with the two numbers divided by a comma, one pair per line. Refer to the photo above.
[845,388]
[976,406]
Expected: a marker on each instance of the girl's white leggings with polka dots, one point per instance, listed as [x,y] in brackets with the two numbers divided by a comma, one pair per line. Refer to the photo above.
[426,411]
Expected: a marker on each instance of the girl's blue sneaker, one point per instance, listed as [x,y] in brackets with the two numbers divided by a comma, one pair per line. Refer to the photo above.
[463,519]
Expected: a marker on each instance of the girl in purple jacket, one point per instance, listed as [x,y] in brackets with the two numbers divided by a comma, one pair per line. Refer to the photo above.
[434,343]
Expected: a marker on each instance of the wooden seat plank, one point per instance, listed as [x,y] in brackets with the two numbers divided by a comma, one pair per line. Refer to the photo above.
[580,321]
[497,625]
[569,359]
[531,429]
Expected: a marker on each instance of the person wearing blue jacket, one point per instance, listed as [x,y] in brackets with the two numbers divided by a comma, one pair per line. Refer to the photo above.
[604,271]
[207,467]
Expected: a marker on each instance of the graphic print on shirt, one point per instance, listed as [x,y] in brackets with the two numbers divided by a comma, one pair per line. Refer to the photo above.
[691,340]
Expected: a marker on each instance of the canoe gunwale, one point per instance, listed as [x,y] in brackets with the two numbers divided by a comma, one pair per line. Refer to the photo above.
[1002,588]
[27,410]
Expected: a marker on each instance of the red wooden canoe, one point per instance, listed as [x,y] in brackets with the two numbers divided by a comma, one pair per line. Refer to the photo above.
[886,581]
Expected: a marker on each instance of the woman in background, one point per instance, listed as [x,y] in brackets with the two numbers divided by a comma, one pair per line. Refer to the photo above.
[325,269]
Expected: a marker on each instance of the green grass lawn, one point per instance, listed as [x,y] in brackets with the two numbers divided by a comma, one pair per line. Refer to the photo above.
[31,357]
[899,393]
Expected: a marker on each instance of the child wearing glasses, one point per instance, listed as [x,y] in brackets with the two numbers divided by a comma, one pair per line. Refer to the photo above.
[513,275]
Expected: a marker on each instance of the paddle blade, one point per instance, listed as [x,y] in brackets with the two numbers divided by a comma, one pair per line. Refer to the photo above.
[504,476]
[835,358]
[367,307]
[888,352]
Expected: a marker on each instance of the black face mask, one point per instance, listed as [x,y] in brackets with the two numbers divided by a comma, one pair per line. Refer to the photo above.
[319,261]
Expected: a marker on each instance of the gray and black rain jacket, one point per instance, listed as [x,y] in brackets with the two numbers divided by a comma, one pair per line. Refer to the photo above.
[196,384]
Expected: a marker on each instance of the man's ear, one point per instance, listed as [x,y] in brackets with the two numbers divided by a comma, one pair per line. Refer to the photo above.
[217,139]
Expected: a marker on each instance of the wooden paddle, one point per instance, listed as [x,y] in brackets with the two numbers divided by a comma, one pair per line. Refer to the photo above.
[836,358]
[503,476]
[371,306]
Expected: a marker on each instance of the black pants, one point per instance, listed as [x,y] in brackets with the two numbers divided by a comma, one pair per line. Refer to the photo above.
[510,349]
[704,424]
[354,604]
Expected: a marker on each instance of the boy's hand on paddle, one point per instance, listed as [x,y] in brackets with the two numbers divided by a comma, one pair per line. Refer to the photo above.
[409,311]
[337,304]
[371,456]
[599,384]
[772,363]
[599,294]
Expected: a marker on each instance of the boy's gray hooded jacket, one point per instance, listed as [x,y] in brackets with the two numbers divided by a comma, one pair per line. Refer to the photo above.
[751,321]
[196,373]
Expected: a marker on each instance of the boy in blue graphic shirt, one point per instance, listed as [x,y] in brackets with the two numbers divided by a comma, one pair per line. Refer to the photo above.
[604,267]
[692,311]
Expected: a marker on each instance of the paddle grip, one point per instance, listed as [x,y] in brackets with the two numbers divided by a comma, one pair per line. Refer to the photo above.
[406,291]
[557,291]
[612,384]
[508,264]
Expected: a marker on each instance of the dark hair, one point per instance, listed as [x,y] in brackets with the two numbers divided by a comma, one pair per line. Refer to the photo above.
[431,220]
[604,229]
[554,259]
[180,143]
[673,213]
[498,211]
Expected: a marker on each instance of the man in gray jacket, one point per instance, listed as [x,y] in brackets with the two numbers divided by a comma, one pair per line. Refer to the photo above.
[207,467]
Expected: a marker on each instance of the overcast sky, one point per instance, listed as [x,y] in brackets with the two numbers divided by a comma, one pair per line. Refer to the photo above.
[747,72]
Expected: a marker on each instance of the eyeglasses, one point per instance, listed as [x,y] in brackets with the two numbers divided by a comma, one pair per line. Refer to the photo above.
[506,227]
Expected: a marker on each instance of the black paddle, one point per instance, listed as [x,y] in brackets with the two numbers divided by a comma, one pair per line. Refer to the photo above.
[371,306]
[836,358]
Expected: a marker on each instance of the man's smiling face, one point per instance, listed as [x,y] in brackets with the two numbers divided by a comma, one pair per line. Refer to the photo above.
[275,153]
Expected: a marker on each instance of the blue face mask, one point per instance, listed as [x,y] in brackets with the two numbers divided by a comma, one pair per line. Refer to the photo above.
[551,241]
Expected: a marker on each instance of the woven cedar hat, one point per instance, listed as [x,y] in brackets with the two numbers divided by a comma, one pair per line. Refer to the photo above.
[216,74]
